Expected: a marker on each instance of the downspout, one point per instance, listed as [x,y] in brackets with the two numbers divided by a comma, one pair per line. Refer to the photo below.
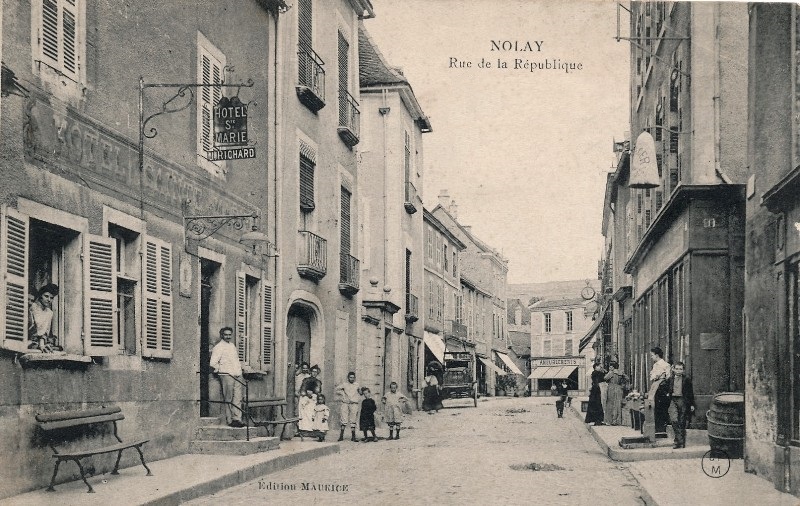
[277,181]
[384,113]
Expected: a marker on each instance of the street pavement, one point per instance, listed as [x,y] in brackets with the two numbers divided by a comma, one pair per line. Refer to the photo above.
[505,451]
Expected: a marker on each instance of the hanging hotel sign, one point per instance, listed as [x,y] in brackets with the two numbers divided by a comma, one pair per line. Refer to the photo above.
[230,131]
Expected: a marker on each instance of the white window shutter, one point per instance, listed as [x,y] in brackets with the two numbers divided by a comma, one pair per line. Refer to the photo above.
[100,294]
[165,280]
[266,323]
[209,71]
[69,38]
[157,288]
[14,280]
[49,34]
[242,343]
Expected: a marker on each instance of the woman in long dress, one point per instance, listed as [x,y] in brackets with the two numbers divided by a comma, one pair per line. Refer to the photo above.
[431,401]
[613,411]
[594,412]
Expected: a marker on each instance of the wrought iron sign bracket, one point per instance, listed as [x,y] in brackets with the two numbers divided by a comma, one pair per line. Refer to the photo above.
[168,107]
[202,227]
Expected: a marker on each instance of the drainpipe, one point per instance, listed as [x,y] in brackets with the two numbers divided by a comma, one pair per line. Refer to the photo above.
[384,115]
[277,181]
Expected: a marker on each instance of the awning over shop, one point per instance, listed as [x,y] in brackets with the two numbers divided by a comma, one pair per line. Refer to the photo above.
[490,365]
[589,335]
[509,363]
[555,372]
[435,344]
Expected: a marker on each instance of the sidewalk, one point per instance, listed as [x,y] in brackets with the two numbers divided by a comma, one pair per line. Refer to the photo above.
[680,482]
[175,480]
[677,477]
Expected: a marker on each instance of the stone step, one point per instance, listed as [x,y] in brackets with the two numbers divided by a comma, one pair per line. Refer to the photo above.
[225,433]
[255,445]
[210,420]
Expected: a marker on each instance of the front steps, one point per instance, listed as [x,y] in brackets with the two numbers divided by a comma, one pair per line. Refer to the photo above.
[215,438]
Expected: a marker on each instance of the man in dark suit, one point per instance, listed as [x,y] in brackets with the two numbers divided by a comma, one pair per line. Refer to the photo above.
[680,390]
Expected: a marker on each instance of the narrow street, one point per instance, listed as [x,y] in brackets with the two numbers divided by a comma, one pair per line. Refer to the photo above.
[461,455]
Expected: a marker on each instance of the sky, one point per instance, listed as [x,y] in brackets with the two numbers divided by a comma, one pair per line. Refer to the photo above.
[524,154]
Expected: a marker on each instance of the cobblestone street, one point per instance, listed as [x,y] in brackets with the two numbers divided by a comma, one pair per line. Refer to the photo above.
[465,455]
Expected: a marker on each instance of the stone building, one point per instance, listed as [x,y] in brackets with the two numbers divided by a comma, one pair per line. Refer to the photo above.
[681,241]
[772,246]
[392,280]
[142,292]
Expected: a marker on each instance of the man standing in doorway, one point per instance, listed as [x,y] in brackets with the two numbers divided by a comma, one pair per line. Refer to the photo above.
[225,362]
[350,395]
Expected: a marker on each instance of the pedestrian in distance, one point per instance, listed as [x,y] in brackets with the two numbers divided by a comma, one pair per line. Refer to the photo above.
[594,411]
[393,409]
[349,394]
[366,421]
[562,390]
[225,362]
[431,398]
[613,410]
[681,392]
[320,418]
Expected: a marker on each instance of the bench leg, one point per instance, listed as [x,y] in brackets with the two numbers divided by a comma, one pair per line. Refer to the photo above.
[83,476]
[116,466]
[53,479]
[141,457]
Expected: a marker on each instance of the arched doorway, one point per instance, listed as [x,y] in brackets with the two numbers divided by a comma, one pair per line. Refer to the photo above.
[298,337]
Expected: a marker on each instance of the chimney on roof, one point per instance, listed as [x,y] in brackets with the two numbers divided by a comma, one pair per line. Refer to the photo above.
[453,209]
[468,228]
[444,199]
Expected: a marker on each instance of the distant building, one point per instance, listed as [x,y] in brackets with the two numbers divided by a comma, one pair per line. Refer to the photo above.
[557,326]
[484,271]
[519,337]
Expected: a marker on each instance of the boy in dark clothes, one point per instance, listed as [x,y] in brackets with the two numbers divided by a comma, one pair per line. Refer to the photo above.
[563,391]
[366,421]
[680,390]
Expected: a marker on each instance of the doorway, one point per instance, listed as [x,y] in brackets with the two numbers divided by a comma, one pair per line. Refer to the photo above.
[298,334]
[208,274]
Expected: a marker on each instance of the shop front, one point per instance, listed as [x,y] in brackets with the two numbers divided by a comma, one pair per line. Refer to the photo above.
[548,371]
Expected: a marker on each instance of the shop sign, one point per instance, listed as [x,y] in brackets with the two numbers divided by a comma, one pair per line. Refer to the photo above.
[457,356]
[548,362]
[230,131]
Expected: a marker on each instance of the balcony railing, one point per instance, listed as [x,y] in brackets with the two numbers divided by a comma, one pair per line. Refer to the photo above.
[349,118]
[348,274]
[411,198]
[311,79]
[312,259]
[412,307]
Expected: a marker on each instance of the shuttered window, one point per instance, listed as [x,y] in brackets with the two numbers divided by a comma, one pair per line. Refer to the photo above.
[305,24]
[14,280]
[210,65]
[157,275]
[343,54]
[407,158]
[306,183]
[345,222]
[266,322]
[60,36]
[242,341]
[100,285]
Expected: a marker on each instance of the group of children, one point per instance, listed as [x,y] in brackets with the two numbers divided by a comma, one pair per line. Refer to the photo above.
[356,403]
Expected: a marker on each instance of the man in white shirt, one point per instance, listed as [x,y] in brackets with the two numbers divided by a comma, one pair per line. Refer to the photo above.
[225,362]
[350,395]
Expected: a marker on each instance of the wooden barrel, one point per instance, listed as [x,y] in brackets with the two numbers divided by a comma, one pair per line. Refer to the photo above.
[726,424]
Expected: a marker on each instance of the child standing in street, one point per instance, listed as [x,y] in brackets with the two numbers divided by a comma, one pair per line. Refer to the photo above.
[366,421]
[320,418]
[349,394]
[392,410]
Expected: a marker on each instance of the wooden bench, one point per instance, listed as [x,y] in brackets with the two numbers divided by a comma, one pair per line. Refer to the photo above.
[59,427]
[279,418]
